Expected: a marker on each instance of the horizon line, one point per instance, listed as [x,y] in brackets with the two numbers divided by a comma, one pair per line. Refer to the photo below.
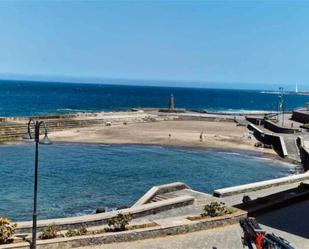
[139,81]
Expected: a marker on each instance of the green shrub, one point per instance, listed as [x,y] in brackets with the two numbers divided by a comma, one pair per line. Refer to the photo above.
[119,222]
[49,232]
[215,209]
[303,187]
[7,229]
[306,125]
[76,232]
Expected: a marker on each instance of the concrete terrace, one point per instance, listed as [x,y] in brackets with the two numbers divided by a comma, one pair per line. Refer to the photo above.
[289,222]
[168,206]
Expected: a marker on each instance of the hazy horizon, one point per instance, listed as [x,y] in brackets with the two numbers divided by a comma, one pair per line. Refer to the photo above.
[155,82]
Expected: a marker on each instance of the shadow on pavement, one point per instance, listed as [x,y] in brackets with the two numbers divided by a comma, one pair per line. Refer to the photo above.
[293,219]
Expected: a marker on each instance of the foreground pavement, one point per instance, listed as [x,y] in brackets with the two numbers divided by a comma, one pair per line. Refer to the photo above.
[228,237]
[290,223]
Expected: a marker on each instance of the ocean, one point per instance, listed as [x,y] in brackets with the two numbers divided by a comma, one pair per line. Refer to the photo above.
[19,98]
[82,177]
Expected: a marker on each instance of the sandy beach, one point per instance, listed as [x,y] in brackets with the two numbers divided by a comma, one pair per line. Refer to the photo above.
[224,135]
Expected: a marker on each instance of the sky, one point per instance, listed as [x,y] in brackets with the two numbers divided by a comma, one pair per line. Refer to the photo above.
[248,44]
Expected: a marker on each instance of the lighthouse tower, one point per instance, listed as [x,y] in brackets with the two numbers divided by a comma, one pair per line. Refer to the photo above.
[171,104]
[296,88]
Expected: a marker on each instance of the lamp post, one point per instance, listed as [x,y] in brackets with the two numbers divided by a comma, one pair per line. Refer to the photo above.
[28,136]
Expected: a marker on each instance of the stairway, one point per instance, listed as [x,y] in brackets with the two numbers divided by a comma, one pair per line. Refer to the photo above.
[10,131]
[162,197]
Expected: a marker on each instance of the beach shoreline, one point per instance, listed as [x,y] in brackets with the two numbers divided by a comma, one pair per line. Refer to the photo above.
[263,155]
[179,133]
[151,127]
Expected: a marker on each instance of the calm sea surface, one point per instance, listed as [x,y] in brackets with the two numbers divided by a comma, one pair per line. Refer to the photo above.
[75,179]
[31,98]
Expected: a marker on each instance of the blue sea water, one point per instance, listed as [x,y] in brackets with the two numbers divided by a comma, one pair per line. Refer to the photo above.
[78,178]
[33,98]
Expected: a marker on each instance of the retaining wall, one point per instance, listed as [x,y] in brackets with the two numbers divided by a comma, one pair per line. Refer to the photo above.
[301,116]
[260,185]
[279,129]
[102,218]
[255,120]
[203,118]
[161,189]
[13,128]
[275,141]
[304,153]
[184,226]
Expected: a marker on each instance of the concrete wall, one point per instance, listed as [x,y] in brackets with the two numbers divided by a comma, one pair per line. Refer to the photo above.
[203,118]
[258,133]
[255,120]
[304,153]
[301,115]
[275,141]
[102,218]
[279,129]
[162,189]
[182,226]
[230,191]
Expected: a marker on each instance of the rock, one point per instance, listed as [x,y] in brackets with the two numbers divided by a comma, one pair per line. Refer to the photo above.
[100,210]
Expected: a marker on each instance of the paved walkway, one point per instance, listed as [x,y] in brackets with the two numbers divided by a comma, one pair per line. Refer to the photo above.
[290,223]
[222,238]
[237,198]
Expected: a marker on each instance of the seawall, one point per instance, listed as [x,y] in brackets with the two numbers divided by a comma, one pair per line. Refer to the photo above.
[275,141]
[304,153]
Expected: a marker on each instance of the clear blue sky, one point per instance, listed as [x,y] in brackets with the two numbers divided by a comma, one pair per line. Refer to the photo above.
[258,43]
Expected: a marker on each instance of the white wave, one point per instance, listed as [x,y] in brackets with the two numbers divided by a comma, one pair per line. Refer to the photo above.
[275,161]
[229,153]
[270,92]
[73,110]
[243,111]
